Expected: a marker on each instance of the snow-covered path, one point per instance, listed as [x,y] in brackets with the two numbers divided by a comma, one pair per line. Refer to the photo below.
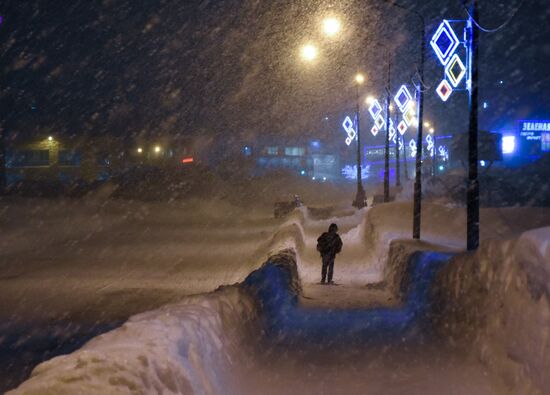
[422,365]
[375,348]
[405,369]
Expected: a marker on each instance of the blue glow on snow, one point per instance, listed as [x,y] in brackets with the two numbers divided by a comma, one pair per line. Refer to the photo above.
[286,321]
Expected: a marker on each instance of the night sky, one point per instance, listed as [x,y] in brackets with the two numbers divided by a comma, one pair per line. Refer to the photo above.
[230,68]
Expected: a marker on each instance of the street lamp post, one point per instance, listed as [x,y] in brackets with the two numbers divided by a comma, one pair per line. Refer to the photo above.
[359,201]
[472,198]
[387,142]
[2,161]
[434,156]
[397,165]
[405,166]
[417,205]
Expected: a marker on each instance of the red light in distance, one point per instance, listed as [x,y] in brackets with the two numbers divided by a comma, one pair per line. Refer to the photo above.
[187,160]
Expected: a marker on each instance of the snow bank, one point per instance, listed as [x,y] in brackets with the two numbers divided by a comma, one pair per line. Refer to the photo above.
[193,347]
[496,300]
[388,222]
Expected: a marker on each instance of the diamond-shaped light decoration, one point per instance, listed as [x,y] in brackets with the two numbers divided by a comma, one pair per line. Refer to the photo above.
[444,42]
[380,123]
[402,128]
[392,132]
[374,130]
[455,70]
[375,109]
[444,90]
[412,146]
[348,126]
[403,98]
[408,116]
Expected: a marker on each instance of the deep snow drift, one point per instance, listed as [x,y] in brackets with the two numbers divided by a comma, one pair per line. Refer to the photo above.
[176,331]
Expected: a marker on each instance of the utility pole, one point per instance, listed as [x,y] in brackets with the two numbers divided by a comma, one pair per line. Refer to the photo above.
[472,198]
[2,161]
[387,147]
[417,204]
[434,158]
[397,165]
[360,196]
[405,166]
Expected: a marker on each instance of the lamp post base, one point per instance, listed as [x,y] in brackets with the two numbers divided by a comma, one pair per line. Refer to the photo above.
[360,199]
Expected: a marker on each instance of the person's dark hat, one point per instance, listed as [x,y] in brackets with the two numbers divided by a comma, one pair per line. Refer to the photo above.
[333,228]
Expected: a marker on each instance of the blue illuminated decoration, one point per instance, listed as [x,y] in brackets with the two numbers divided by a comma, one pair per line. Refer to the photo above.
[444,90]
[348,127]
[444,42]
[412,146]
[402,128]
[430,142]
[408,116]
[393,133]
[455,70]
[443,152]
[403,98]
[508,144]
[375,109]
[350,172]
[401,145]
[374,130]
[380,123]
[545,142]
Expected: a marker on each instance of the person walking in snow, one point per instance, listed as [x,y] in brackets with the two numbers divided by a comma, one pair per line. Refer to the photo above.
[329,244]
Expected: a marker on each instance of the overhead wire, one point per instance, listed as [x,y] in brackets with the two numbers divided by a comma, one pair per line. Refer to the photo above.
[494,30]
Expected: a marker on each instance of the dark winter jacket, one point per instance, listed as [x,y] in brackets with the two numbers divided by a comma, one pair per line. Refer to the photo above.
[329,243]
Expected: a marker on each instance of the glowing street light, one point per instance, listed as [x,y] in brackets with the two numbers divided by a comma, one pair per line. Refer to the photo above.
[331,26]
[309,52]
[360,78]
[370,100]
[50,138]
[432,130]
[140,150]
[157,149]
[426,124]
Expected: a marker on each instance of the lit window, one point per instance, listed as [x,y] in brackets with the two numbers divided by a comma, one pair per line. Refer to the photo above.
[545,142]
[272,150]
[294,151]
[508,144]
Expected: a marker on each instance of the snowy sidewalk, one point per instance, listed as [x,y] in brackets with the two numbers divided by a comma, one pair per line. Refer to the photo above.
[344,296]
